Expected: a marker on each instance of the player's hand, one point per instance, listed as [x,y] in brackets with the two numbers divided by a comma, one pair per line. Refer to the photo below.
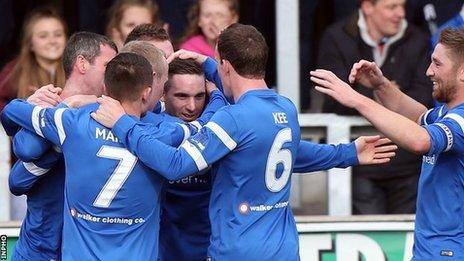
[374,150]
[329,84]
[80,100]
[368,74]
[109,112]
[184,54]
[46,96]
[210,87]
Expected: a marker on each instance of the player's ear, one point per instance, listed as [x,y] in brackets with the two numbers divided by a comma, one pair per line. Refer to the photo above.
[81,64]
[146,93]
[461,74]
[104,89]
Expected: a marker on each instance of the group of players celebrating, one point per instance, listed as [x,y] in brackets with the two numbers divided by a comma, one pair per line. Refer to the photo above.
[112,173]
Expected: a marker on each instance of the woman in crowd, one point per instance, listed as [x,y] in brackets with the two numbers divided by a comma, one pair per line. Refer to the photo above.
[207,19]
[39,62]
[124,15]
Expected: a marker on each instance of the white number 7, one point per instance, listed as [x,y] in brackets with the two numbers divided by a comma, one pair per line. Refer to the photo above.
[126,163]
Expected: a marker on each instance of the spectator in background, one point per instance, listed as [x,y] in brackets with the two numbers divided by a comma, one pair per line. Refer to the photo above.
[125,15]
[39,62]
[379,32]
[207,19]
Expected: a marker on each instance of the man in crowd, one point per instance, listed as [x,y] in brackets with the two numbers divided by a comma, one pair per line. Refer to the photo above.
[378,31]
[436,133]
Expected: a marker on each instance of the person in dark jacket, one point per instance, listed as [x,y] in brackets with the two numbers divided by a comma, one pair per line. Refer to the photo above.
[379,32]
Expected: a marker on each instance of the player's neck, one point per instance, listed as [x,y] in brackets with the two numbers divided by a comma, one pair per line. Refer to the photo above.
[76,87]
[457,100]
[243,85]
[132,108]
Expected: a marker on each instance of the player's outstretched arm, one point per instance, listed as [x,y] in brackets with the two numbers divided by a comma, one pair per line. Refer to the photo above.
[389,94]
[364,150]
[316,157]
[374,150]
[401,130]
[194,155]
[46,123]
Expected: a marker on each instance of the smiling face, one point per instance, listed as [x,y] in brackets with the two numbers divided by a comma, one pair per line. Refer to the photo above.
[48,39]
[384,17]
[185,98]
[443,73]
[215,15]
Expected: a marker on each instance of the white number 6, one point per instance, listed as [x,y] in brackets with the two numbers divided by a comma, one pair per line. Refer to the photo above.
[278,155]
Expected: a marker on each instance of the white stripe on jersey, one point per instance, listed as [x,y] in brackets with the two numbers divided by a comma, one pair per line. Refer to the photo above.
[34,170]
[222,135]
[195,154]
[449,135]
[36,120]
[196,124]
[59,124]
[441,111]
[425,115]
[458,118]
[186,131]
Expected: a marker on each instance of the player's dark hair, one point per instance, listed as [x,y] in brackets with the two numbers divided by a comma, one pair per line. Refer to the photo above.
[245,48]
[453,39]
[86,44]
[127,75]
[147,32]
[182,66]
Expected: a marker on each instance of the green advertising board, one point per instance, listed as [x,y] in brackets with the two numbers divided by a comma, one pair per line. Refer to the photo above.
[354,241]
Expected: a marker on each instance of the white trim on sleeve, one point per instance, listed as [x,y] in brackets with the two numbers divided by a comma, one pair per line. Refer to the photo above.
[195,154]
[58,117]
[222,135]
[34,170]
[35,118]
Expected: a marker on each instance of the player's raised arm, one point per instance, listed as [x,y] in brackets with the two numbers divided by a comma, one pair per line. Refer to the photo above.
[402,131]
[194,155]
[388,93]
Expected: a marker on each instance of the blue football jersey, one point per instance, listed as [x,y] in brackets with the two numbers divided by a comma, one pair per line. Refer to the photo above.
[439,227]
[185,227]
[41,179]
[173,134]
[254,151]
[111,205]
[42,182]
